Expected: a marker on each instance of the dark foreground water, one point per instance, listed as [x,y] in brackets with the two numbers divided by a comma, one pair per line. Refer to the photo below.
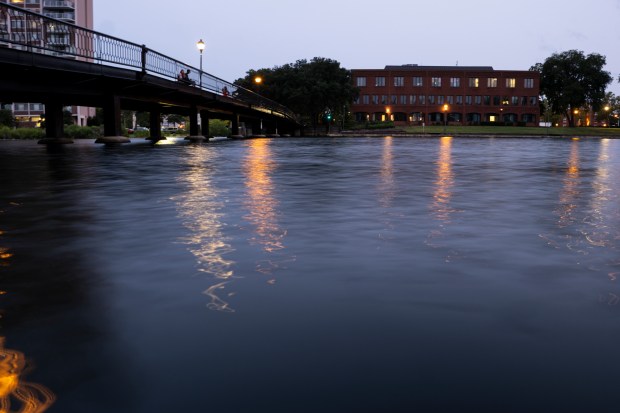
[311,275]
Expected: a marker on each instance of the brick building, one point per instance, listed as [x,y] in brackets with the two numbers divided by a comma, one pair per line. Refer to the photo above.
[457,95]
[61,43]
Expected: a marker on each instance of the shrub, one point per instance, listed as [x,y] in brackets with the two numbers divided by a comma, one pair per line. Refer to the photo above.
[82,132]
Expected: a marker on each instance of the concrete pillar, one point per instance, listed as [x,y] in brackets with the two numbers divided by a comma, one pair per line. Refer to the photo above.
[155,124]
[112,121]
[235,127]
[204,123]
[54,124]
[194,135]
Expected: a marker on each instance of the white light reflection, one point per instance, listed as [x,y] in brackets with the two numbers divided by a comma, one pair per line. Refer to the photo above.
[262,206]
[442,196]
[199,208]
[387,188]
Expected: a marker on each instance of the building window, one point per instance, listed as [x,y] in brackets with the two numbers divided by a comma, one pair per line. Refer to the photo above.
[399,81]
[365,99]
[403,99]
[528,83]
[455,82]
[533,100]
[515,101]
[474,82]
[393,99]
[375,99]
[468,100]
[412,99]
[384,99]
[361,81]
[487,100]
[478,100]
[492,82]
[524,101]
[417,81]
[422,99]
[440,100]
[450,100]
[431,100]
[436,82]
[511,83]
[496,100]
[459,100]
[380,81]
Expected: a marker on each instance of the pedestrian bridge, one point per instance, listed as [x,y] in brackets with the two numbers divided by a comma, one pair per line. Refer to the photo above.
[60,64]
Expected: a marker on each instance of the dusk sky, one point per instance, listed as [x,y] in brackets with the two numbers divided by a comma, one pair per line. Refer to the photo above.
[363,34]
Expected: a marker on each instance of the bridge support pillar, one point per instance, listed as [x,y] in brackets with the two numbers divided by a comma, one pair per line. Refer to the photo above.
[112,122]
[272,129]
[235,127]
[155,124]
[54,125]
[257,129]
[204,124]
[193,126]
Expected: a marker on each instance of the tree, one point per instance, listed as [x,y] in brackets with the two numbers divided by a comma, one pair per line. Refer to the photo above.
[176,119]
[6,118]
[307,88]
[570,80]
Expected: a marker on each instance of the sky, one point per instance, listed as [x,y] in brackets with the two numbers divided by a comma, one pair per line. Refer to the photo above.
[362,34]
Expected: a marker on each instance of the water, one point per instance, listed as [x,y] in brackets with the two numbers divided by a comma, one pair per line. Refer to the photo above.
[312,275]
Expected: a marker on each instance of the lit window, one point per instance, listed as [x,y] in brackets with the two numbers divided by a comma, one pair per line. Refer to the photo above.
[492,82]
[511,83]
[474,82]
[417,81]
[436,82]
[399,81]
[528,83]
[380,81]
[361,81]
[455,82]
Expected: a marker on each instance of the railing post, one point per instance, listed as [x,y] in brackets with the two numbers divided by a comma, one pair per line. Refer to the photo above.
[143,58]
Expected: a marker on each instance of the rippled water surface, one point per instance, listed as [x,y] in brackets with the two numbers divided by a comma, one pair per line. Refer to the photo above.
[311,275]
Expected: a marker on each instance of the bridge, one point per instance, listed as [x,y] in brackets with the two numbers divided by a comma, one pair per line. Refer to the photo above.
[46,60]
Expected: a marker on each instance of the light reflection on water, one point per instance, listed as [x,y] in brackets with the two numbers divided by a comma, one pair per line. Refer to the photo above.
[262,206]
[200,210]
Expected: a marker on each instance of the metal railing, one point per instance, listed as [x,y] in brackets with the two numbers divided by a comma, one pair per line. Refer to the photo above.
[35,33]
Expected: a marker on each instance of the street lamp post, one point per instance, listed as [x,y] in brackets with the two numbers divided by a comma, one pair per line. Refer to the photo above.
[201,46]
[258,80]
[608,118]
[445,117]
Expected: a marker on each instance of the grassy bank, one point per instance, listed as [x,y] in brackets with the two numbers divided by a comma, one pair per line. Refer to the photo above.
[510,131]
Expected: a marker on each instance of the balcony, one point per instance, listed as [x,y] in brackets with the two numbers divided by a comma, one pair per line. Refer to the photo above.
[68,17]
[59,4]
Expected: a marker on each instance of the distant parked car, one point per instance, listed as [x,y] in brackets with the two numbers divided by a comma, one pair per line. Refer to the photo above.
[142,128]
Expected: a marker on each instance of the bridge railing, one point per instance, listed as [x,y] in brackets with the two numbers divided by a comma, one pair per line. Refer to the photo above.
[35,33]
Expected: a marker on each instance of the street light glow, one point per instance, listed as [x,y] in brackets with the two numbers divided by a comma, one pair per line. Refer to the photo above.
[200,45]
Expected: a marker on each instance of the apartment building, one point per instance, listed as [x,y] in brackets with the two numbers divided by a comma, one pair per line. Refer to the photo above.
[78,12]
[460,95]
